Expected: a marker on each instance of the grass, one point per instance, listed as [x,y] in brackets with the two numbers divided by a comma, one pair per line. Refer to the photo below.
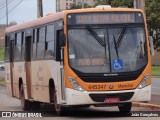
[2,82]
[1,54]
[155,70]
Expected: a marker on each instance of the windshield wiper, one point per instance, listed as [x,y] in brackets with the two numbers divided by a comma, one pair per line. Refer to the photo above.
[119,41]
[92,32]
[115,46]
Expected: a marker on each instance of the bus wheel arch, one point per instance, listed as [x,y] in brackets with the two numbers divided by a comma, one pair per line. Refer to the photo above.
[20,83]
[51,90]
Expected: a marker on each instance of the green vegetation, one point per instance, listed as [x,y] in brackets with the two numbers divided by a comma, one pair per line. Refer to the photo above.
[1,54]
[80,6]
[115,3]
[155,70]
[153,20]
[2,82]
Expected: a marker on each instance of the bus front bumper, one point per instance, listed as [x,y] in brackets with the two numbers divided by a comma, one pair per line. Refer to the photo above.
[74,97]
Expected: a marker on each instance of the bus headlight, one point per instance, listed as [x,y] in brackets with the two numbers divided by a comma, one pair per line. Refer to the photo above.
[75,84]
[144,81]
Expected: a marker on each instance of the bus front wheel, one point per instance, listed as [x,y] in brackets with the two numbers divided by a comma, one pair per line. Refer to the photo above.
[25,104]
[59,109]
[125,107]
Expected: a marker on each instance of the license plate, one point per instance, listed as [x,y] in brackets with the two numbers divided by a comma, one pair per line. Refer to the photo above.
[111,100]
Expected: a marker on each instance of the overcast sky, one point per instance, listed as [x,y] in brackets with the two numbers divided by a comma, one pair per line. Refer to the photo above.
[27,11]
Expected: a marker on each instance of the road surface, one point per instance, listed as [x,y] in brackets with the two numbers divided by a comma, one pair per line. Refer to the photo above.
[156,86]
[155,91]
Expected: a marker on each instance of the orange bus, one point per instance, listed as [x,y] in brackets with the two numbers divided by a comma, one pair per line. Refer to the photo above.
[96,56]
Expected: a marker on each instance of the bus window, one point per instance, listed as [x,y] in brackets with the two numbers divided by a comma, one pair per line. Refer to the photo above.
[41,43]
[7,53]
[34,45]
[23,45]
[18,43]
[50,43]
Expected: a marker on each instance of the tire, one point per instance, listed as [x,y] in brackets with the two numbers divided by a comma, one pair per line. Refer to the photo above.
[125,107]
[60,110]
[25,104]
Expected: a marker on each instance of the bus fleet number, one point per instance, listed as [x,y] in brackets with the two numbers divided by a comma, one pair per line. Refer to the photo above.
[97,87]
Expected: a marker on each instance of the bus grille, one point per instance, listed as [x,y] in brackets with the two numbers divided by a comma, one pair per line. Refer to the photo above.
[101,97]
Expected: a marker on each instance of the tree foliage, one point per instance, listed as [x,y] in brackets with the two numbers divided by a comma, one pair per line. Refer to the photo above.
[115,3]
[153,20]
[79,6]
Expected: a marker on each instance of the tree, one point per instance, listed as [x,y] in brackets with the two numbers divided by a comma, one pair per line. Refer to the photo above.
[102,2]
[74,6]
[115,3]
[153,20]
[79,6]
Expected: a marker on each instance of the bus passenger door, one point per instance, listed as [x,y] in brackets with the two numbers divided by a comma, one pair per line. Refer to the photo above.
[12,67]
[59,58]
[28,65]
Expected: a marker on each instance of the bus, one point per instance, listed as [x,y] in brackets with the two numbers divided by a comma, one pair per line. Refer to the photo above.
[95,56]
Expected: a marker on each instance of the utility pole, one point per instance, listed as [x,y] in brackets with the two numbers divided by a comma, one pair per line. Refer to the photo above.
[39,8]
[139,4]
[7,13]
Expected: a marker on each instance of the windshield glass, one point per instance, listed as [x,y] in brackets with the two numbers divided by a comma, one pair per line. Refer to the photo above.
[118,49]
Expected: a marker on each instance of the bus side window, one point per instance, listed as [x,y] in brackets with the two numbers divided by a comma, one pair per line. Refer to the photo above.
[23,46]
[18,43]
[7,47]
[50,42]
[41,43]
[34,44]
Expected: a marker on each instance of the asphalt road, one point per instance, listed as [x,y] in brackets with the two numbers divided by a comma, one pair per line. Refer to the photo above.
[156,86]
[155,99]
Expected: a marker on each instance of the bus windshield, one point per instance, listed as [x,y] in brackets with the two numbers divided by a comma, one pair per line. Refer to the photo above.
[106,50]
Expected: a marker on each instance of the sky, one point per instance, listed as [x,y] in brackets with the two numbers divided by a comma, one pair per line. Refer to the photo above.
[27,10]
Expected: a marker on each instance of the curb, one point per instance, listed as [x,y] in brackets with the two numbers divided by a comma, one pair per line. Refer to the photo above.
[155,76]
[146,105]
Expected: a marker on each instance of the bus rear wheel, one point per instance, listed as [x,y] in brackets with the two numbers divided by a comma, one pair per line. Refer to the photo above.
[125,107]
[25,104]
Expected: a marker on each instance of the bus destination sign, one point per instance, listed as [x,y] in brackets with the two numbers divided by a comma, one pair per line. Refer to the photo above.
[105,18]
